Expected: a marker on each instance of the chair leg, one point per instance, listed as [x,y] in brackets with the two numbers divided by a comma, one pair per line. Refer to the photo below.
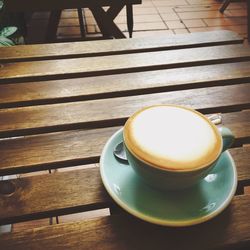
[54,19]
[130,21]
[224,5]
[81,23]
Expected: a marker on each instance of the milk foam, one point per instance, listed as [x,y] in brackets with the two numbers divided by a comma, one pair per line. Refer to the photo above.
[172,137]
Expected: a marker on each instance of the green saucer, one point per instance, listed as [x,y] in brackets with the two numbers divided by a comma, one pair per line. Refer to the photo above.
[172,208]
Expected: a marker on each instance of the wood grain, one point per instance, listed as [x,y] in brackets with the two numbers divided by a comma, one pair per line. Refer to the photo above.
[62,193]
[241,157]
[238,122]
[55,150]
[80,146]
[54,194]
[78,115]
[34,93]
[111,47]
[113,64]
[229,229]
[96,113]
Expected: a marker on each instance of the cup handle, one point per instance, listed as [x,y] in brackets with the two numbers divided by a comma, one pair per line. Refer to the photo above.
[227,137]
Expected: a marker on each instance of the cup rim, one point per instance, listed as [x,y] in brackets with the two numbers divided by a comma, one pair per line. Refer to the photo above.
[181,170]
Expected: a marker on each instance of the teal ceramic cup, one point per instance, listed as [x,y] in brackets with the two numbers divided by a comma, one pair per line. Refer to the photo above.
[173,147]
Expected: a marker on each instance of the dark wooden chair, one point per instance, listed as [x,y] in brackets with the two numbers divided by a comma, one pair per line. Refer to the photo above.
[98,15]
[104,18]
[56,14]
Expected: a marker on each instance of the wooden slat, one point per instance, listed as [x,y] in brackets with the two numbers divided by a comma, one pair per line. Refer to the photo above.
[61,193]
[51,69]
[231,229]
[55,150]
[33,93]
[109,47]
[79,147]
[28,120]
[238,122]
[241,157]
[58,193]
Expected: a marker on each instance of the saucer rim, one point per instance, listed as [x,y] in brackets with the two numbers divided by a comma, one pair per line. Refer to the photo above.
[165,222]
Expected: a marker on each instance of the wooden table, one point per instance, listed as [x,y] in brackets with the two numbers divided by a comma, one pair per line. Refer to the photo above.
[61,102]
[104,19]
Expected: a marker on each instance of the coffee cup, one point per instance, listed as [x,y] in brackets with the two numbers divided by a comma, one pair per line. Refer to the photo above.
[173,147]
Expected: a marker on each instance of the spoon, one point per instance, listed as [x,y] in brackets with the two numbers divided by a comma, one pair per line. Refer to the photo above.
[119,150]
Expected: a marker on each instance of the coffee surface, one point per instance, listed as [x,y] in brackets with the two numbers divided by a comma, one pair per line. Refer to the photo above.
[172,137]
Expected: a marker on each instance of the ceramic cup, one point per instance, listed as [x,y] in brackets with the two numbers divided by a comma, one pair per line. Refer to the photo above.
[173,147]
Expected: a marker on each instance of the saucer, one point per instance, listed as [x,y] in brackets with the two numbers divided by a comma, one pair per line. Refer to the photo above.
[187,207]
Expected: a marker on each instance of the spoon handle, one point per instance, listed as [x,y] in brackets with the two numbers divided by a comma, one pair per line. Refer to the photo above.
[215,119]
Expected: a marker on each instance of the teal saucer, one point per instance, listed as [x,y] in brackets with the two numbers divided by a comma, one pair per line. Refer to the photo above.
[172,208]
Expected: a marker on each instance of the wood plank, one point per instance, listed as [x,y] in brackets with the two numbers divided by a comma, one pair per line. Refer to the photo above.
[29,5]
[113,111]
[70,148]
[45,195]
[238,122]
[230,229]
[33,93]
[111,47]
[55,150]
[57,194]
[242,158]
[114,64]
